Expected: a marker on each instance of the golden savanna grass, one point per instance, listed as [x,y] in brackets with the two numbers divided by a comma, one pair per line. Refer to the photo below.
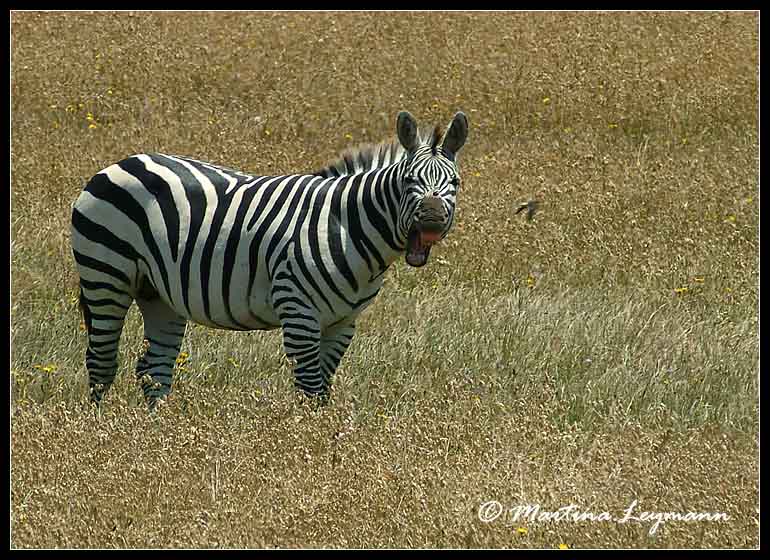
[604,352]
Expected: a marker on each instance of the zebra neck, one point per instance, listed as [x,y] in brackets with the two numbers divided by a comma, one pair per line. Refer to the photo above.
[381,203]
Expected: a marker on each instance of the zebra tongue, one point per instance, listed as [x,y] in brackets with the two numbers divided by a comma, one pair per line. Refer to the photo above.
[416,249]
[428,238]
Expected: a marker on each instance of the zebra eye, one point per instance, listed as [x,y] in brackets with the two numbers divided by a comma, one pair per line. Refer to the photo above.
[409,178]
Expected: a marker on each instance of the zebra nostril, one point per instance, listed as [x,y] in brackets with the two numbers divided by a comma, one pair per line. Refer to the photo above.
[432,203]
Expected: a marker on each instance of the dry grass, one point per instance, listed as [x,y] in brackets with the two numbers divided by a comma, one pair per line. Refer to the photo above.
[605,352]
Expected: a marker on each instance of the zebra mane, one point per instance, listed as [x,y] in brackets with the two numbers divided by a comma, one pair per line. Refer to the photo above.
[366,157]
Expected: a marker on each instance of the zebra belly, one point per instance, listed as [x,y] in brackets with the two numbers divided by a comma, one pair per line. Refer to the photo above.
[249,310]
[261,318]
[205,299]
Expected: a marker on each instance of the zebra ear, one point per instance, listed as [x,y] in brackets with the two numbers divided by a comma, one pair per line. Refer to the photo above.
[406,127]
[456,134]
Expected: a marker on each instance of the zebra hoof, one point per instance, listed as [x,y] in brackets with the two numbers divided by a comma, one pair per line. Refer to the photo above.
[155,404]
[315,400]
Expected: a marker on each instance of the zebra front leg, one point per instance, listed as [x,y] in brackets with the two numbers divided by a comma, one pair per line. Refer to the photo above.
[164,330]
[334,342]
[301,332]
[302,344]
[316,355]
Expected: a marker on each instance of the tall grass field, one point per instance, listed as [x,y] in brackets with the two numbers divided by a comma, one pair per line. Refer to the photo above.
[588,378]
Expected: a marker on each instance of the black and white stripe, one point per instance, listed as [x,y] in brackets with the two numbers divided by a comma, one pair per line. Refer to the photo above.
[192,241]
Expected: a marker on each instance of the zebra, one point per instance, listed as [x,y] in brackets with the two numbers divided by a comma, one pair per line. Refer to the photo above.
[306,253]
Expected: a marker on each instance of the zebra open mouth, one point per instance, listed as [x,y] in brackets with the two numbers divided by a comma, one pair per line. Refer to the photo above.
[418,245]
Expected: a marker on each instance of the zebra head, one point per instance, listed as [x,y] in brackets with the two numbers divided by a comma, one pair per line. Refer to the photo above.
[429,184]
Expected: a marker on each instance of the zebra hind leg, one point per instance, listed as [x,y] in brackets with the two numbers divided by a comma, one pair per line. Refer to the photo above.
[164,330]
[104,309]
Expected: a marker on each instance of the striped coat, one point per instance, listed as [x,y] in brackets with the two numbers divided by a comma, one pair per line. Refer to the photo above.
[192,241]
